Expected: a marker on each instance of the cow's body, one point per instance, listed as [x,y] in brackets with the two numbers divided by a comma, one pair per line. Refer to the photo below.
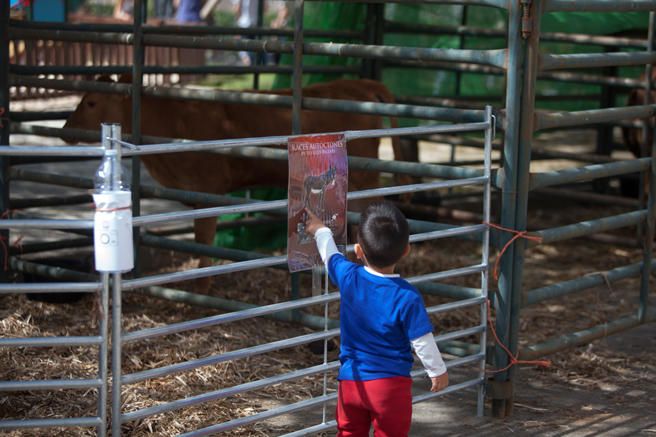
[206,120]
[633,137]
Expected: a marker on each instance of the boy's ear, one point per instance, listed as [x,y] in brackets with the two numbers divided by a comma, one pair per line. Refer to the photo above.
[407,250]
[359,253]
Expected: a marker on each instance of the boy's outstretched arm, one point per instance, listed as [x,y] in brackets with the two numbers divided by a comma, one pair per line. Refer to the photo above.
[427,351]
[323,236]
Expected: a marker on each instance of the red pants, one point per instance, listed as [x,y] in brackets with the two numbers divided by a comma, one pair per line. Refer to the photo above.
[386,402]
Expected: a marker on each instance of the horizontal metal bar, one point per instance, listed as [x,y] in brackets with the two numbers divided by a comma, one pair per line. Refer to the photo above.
[593,79]
[590,227]
[71,85]
[463,271]
[313,430]
[45,224]
[267,414]
[176,69]
[47,29]
[206,301]
[493,57]
[16,33]
[228,356]
[459,333]
[72,151]
[593,279]
[229,391]
[450,389]
[468,359]
[251,31]
[590,172]
[50,341]
[595,60]
[277,204]
[447,233]
[50,423]
[599,5]
[53,384]
[228,318]
[448,290]
[501,4]
[39,115]
[550,120]
[201,272]
[52,287]
[442,308]
[413,188]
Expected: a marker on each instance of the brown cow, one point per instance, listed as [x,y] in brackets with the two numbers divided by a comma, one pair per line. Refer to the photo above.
[206,120]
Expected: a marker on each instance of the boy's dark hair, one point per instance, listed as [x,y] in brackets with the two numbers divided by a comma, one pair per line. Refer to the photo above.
[383,234]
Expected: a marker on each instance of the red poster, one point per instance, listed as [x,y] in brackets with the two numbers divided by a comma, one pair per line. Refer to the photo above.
[318,180]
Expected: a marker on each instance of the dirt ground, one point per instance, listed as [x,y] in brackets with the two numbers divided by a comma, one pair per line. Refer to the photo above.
[605,388]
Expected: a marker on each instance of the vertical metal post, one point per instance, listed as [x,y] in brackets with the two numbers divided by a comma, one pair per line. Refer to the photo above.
[102,356]
[260,57]
[374,33]
[648,240]
[522,184]
[297,75]
[137,83]
[485,251]
[514,84]
[111,133]
[297,101]
[4,123]
[116,354]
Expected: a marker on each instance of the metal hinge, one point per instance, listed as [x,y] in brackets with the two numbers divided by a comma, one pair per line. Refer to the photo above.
[527,20]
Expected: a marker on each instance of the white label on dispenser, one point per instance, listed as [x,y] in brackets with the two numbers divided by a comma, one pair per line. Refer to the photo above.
[112,232]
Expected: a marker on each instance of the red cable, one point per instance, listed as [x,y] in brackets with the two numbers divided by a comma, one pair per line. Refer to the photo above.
[518,234]
[513,358]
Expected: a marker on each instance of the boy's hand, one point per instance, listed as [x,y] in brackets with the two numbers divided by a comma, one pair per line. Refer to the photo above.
[440,382]
[312,223]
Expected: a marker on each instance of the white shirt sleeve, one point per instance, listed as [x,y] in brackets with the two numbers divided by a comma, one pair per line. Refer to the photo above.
[325,244]
[427,351]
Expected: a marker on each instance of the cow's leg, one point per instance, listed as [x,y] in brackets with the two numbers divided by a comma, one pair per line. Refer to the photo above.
[204,230]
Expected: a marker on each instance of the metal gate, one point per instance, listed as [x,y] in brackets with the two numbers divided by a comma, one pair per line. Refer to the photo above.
[421,231]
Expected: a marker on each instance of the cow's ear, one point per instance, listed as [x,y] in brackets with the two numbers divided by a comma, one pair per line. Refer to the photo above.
[104,78]
[125,78]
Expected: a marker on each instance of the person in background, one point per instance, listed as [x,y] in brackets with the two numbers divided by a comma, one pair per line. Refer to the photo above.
[163,9]
[123,9]
[382,318]
[188,11]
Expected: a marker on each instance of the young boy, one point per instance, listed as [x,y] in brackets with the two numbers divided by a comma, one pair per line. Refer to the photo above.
[381,317]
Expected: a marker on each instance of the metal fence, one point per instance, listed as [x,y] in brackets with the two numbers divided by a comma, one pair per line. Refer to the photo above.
[524,61]
[118,285]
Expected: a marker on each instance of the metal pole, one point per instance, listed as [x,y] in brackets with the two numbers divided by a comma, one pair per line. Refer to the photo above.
[110,133]
[509,191]
[116,354]
[137,83]
[4,124]
[522,183]
[489,137]
[297,75]
[102,359]
[648,240]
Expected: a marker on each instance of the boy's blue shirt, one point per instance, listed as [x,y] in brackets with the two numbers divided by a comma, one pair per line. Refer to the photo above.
[379,316]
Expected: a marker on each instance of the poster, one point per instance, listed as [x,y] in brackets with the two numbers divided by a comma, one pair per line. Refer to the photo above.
[318,180]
